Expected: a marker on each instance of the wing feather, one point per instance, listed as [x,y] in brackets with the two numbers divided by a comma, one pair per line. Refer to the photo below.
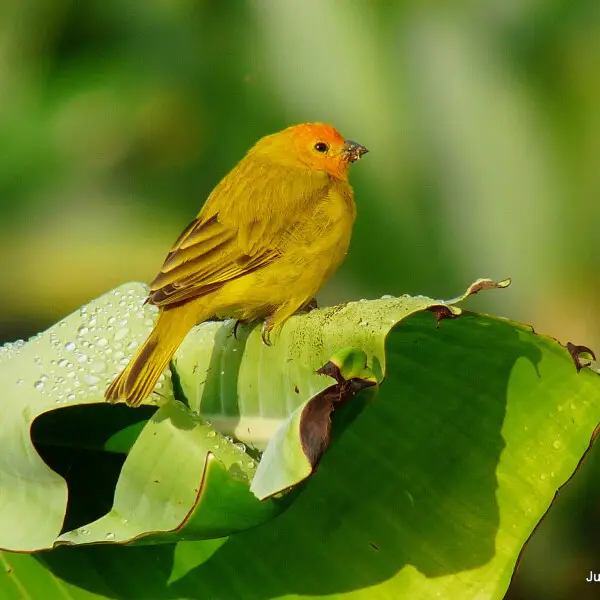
[240,229]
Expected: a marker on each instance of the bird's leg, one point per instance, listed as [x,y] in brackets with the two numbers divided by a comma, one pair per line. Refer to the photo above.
[275,321]
[267,327]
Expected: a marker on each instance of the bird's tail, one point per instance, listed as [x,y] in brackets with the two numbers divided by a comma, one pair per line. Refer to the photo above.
[137,381]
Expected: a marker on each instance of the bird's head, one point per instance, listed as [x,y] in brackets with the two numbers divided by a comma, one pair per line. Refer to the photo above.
[313,145]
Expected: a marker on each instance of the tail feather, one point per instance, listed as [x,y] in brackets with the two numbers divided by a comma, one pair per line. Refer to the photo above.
[139,378]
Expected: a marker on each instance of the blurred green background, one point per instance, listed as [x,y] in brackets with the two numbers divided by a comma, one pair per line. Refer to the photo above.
[483,121]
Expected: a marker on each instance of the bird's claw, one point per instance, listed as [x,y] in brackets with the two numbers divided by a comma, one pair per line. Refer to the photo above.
[238,322]
[266,333]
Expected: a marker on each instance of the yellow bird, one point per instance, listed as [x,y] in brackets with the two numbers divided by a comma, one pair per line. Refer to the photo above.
[268,237]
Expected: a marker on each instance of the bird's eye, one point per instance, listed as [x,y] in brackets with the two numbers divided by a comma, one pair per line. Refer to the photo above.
[321,147]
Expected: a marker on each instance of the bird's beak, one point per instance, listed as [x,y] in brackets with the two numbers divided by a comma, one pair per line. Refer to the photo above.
[353,151]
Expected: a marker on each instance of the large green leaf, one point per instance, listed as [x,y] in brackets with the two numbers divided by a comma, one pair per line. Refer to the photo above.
[243,386]
[430,494]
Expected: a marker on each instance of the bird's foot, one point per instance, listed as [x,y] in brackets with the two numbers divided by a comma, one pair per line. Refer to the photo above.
[267,328]
[238,322]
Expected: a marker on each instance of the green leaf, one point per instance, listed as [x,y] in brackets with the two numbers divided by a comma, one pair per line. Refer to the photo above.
[431,493]
[246,388]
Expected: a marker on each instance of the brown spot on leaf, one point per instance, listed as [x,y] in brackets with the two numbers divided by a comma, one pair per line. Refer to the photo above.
[332,370]
[315,422]
[442,312]
[296,389]
[576,351]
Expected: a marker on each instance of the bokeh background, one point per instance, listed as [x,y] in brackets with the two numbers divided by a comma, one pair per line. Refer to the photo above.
[483,122]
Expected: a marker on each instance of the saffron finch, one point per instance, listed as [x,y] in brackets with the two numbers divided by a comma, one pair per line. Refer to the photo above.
[268,237]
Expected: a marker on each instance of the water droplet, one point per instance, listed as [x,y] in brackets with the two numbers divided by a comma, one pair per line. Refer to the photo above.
[149,322]
[19,381]
[387,297]
[121,333]
[71,397]
[118,355]
[109,536]
[93,388]
[84,531]
[216,446]
[63,362]
[38,385]
[97,367]
[43,378]
[556,444]
[543,476]
[70,346]
[241,447]
[82,358]
[82,330]
[102,342]
[211,434]
[133,344]
[124,361]
[91,379]
[111,320]
[250,464]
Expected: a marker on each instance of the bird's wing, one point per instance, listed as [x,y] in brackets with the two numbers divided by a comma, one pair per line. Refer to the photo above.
[230,238]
